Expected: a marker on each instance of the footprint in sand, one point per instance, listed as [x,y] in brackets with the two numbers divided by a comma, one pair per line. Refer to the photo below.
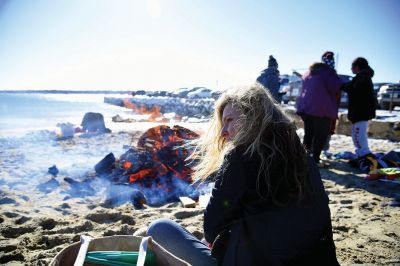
[14,232]
[77,229]
[341,228]
[105,218]
[187,214]
[10,214]
[7,200]
[46,241]
[15,256]
[8,248]
[124,230]
[48,224]
[22,220]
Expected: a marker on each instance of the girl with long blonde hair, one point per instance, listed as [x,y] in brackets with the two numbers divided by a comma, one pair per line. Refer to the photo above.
[268,205]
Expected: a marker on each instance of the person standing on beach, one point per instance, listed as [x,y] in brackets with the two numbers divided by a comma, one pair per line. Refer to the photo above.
[361,107]
[317,104]
[270,79]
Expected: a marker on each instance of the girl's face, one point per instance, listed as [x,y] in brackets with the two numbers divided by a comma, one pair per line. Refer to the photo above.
[230,117]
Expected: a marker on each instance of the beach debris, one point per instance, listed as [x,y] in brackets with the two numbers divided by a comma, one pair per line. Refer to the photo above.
[94,123]
[53,170]
[384,173]
[372,162]
[65,131]
[121,193]
[48,186]
[119,119]
[187,202]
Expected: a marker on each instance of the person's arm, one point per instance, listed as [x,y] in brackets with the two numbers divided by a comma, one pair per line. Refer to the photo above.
[225,202]
[348,86]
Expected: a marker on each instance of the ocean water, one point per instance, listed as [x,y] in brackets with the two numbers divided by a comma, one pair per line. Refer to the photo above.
[28,140]
[25,113]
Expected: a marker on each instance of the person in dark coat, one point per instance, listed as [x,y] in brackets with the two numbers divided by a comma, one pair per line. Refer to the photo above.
[318,105]
[268,205]
[270,79]
[361,105]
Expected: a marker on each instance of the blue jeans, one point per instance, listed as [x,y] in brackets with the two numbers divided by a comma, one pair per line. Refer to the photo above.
[180,242]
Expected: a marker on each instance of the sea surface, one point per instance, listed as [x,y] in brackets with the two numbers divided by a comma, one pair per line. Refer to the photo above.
[22,113]
[29,144]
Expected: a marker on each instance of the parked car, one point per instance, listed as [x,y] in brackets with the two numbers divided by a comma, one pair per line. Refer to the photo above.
[284,88]
[293,90]
[216,94]
[389,96]
[139,92]
[200,92]
[378,85]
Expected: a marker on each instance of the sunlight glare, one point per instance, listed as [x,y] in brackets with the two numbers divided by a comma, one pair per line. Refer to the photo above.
[153,8]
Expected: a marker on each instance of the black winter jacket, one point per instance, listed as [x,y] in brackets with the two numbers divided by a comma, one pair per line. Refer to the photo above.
[362,98]
[263,233]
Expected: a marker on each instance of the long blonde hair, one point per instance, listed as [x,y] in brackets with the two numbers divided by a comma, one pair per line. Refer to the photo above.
[264,130]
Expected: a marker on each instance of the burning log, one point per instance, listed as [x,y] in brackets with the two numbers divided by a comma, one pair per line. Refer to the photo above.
[162,136]
[121,193]
[106,165]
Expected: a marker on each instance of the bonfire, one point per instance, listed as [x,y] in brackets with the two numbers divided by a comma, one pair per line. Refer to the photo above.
[157,167]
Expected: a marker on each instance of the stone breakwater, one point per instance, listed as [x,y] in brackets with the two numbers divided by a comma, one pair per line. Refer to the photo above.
[199,108]
[380,128]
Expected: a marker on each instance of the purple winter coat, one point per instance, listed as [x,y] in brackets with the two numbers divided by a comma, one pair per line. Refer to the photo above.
[321,89]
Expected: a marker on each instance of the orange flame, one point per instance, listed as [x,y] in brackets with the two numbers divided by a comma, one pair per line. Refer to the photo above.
[126,165]
[139,175]
[154,112]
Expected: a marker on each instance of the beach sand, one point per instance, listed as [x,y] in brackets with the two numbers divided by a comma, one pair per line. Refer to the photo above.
[35,226]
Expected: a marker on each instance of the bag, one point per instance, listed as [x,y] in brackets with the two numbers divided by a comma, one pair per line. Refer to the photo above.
[74,254]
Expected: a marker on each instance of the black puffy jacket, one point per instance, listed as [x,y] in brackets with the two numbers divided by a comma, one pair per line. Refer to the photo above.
[362,100]
[262,233]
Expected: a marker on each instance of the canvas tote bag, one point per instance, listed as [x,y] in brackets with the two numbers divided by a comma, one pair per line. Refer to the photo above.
[74,254]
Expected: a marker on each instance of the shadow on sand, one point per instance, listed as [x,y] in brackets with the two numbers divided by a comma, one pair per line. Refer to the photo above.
[343,174]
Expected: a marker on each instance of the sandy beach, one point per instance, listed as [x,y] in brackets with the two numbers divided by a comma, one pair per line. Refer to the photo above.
[35,226]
